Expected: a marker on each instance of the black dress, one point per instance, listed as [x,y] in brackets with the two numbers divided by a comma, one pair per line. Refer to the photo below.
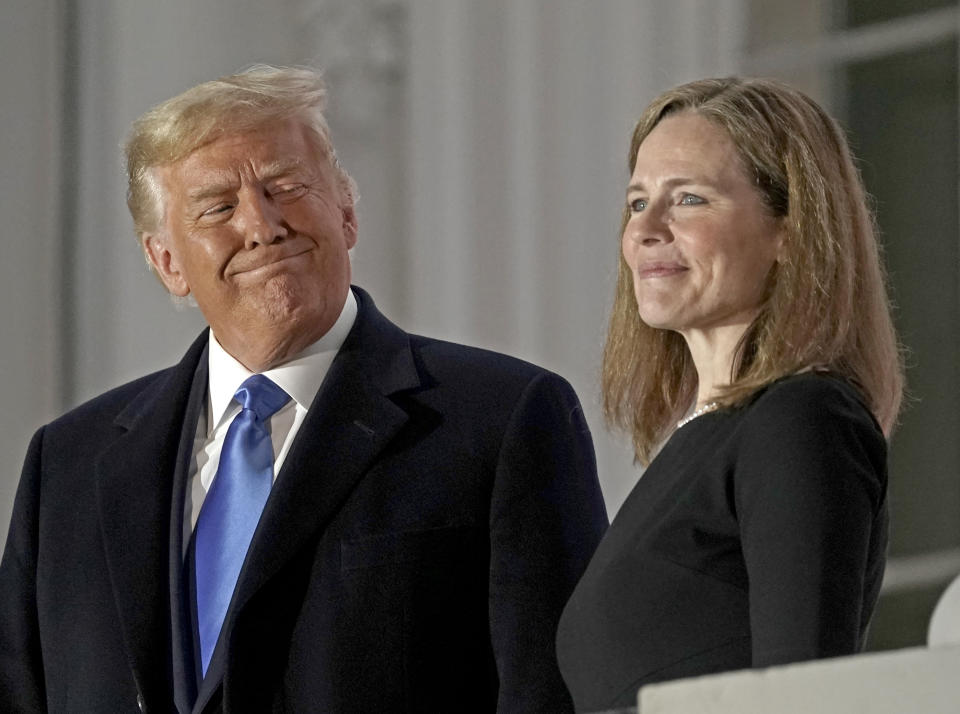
[756,537]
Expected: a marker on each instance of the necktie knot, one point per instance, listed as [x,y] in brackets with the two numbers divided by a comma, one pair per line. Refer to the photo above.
[262,396]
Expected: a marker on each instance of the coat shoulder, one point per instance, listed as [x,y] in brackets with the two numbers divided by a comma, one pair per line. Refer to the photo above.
[108,405]
[477,364]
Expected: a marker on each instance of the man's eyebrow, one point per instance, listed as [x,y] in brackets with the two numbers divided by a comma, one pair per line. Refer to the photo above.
[267,172]
[275,169]
[212,188]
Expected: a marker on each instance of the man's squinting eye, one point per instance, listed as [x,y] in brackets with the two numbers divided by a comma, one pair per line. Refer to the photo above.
[218,209]
[689,199]
[287,191]
[638,204]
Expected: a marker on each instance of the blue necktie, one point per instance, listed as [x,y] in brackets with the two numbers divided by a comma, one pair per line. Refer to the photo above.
[232,507]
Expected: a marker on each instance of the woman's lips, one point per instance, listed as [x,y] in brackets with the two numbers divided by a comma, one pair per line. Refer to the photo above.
[659,269]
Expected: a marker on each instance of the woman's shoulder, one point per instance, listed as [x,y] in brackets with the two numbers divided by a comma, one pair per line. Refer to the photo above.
[818,398]
[806,415]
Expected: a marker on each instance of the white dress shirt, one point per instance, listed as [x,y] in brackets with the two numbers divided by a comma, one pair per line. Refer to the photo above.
[299,377]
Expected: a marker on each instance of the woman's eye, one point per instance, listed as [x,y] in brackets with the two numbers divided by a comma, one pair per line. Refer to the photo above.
[638,204]
[688,199]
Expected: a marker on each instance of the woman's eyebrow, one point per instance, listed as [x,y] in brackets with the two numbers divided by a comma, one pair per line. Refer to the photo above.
[671,182]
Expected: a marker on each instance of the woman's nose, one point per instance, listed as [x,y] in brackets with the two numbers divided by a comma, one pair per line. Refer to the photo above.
[649,227]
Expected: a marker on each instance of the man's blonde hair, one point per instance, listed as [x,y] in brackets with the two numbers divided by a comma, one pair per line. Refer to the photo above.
[240,102]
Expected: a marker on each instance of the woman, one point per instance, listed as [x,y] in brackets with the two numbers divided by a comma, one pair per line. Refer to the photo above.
[752,357]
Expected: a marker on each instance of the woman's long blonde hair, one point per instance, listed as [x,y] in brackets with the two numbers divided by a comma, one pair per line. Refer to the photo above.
[827,304]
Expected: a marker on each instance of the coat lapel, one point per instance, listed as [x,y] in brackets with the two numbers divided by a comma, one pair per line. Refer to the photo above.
[134,492]
[181,595]
[351,420]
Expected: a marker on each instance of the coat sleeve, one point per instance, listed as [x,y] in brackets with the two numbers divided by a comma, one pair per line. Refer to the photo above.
[21,665]
[811,503]
[546,519]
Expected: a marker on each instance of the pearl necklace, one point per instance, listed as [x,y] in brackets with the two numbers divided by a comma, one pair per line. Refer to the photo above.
[708,407]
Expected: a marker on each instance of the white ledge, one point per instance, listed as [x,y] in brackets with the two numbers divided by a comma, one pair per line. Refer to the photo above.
[903,681]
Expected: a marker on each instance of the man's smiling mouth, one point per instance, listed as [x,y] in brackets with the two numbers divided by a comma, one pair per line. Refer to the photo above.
[275,262]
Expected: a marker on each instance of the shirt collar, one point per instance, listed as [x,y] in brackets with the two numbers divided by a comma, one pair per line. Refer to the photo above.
[300,377]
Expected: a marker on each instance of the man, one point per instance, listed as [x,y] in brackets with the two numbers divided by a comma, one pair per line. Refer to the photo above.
[379,522]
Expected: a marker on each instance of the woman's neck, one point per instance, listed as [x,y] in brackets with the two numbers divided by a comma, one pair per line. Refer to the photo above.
[713,352]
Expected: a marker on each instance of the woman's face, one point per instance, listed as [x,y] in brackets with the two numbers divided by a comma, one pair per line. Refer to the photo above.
[699,241]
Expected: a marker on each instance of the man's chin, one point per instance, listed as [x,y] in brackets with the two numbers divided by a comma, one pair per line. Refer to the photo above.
[278,299]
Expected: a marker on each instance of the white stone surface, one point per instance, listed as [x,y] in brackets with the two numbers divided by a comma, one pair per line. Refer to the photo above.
[908,681]
[945,622]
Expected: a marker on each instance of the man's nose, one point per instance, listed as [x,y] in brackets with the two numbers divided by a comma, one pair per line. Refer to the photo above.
[261,220]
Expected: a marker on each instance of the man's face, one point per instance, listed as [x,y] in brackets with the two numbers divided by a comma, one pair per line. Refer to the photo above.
[256,226]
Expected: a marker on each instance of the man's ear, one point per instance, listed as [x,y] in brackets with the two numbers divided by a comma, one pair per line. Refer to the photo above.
[165,264]
[350,224]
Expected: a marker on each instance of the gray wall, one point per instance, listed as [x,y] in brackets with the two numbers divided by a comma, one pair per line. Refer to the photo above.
[490,181]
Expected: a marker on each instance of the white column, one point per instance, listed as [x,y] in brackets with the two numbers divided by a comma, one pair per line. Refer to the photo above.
[30,234]
[361,47]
